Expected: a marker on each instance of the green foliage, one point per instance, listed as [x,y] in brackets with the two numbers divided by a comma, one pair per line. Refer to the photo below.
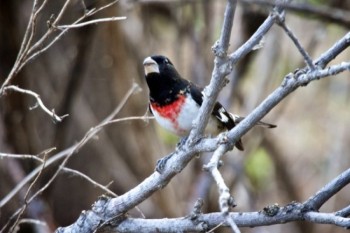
[318,2]
[259,168]
[167,137]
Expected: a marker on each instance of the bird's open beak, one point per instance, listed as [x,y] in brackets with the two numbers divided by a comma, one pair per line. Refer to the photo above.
[150,66]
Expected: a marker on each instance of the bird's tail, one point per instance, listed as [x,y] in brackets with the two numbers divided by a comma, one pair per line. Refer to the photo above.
[238,119]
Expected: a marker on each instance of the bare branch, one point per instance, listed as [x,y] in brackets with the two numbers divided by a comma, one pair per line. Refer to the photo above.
[51,161]
[281,22]
[21,156]
[221,69]
[334,15]
[232,224]
[291,82]
[39,102]
[96,21]
[34,53]
[21,210]
[27,39]
[334,51]
[345,212]
[33,173]
[204,222]
[254,40]
[66,155]
[221,47]
[82,175]
[225,199]
[143,118]
[315,202]
[29,51]
[32,221]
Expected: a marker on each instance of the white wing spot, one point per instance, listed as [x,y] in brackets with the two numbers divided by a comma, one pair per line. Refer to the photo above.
[222,115]
[235,117]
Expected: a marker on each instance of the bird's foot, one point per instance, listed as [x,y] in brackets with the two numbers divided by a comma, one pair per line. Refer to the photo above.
[161,163]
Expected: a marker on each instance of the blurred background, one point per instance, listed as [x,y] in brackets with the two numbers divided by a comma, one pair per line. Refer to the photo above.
[88,71]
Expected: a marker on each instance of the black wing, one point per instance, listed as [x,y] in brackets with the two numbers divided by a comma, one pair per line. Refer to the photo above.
[219,112]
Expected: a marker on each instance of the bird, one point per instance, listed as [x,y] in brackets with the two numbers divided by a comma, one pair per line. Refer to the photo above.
[175,101]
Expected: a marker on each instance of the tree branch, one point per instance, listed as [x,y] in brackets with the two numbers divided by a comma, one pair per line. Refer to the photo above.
[205,222]
[29,51]
[66,155]
[221,69]
[95,21]
[315,202]
[39,102]
[335,15]
[334,51]
[280,19]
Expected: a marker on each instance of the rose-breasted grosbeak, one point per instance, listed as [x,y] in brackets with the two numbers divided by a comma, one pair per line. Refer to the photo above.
[175,101]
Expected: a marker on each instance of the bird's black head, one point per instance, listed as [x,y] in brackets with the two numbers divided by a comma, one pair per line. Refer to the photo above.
[157,64]
[164,82]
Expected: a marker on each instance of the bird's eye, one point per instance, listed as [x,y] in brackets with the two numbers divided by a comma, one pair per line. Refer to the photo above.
[166,61]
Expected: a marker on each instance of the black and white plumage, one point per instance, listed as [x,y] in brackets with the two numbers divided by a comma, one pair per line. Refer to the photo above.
[175,101]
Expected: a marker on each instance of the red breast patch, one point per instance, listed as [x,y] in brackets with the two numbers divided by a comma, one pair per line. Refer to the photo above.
[170,111]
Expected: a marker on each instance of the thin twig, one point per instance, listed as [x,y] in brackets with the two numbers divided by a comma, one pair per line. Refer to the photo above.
[96,21]
[103,7]
[53,41]
[68,153]
[143,118]
[33,174]
[39,102]
[90,134]
[32,221]
[103,187]
[25,43]
[225,198]
[332,14]
[40,42]
[53,160]
[215,227]
[32,22]
[280,19]
[232,224]
[28,51]
[26,202]
[21,156]
[82,175]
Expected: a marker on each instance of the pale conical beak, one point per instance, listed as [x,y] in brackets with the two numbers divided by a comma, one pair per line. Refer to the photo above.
[150,66]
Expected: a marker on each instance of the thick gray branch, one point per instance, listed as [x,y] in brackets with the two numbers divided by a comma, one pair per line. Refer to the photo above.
[205,222]
[221,69]
[316,201]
